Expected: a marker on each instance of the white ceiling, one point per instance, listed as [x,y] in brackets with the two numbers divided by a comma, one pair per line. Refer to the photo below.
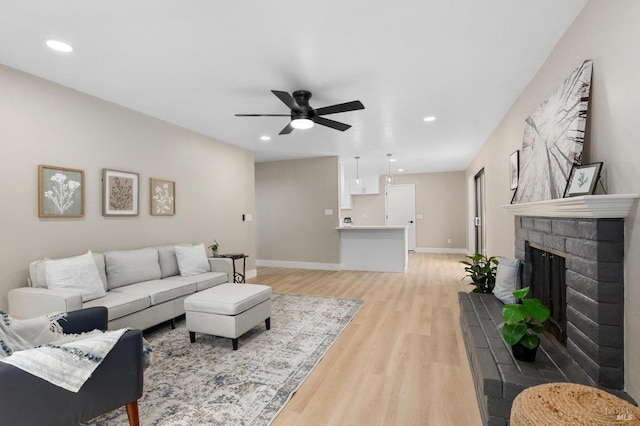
[197,62]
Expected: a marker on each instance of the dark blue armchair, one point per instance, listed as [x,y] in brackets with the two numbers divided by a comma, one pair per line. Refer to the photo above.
[29,400]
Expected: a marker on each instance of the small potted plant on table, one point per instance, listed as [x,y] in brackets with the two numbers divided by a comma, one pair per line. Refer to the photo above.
[482,271]
[522,323]
[214,247]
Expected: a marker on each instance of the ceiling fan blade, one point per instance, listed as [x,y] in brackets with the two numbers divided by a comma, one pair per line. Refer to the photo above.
[330,123]
[262,115]
[287,99]
[287,129]
[347,106]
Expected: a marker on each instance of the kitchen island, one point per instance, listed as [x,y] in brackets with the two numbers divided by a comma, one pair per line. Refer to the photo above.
[373,248]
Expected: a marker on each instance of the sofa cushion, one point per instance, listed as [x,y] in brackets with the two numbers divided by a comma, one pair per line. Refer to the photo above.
[159,291]
[78,273]
[38,272]
[203,281]
[126,267]
[167,259]
[120,304]
[192,260]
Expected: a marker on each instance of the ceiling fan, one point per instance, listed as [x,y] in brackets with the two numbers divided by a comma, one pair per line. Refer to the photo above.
[303,116]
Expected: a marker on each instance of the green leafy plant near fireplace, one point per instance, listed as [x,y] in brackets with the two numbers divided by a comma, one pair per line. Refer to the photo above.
[523,323]
[482,271]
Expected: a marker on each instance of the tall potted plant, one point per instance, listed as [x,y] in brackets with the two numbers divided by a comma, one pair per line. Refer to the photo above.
[522,324]
[482,271]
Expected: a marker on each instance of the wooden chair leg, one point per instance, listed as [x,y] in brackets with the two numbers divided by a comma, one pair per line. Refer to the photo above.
[132,413]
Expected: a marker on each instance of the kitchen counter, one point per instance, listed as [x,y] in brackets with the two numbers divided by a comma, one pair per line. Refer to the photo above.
[373,248]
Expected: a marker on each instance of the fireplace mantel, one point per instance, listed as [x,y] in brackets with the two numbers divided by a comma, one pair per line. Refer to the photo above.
[610,206]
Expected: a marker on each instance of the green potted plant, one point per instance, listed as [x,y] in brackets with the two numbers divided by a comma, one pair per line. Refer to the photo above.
[214,247]
[482,271]
[522,323]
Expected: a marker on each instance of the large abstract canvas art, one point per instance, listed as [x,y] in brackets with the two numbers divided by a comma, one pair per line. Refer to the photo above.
[554,138]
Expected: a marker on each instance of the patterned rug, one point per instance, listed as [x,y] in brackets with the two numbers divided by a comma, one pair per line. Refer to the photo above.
[207,383]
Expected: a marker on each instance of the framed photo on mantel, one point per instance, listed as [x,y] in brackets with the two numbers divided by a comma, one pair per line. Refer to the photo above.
[583,179]
[514,169]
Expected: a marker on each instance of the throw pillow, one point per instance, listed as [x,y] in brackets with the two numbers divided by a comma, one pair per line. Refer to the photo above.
[507,279]
[192,260]
[79,273]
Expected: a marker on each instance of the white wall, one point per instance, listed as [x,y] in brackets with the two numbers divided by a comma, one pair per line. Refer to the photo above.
[606,32]
[44,123]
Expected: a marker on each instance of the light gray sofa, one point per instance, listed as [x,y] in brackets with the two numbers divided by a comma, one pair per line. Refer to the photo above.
[143,287]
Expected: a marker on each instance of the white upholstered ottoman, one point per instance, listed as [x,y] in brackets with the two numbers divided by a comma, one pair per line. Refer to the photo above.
[228,310]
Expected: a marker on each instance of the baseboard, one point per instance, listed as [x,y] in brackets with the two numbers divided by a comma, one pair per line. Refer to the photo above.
[298,265]
[441,250]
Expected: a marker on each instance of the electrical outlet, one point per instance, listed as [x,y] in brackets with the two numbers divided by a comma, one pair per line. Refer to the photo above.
[449,241]
[419,216]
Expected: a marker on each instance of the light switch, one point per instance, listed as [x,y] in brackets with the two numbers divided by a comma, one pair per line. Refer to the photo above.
[418,215]
[247,217]
[328,212]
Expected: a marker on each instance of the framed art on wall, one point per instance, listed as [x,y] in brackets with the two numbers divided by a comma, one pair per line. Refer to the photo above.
[60,192]
[514,169]
[163,197]
[583,179]
[120,193]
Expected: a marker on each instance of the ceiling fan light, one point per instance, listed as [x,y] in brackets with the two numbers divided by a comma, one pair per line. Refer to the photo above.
[301,123]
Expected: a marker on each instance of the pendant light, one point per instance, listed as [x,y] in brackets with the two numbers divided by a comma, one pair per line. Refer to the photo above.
[389,177]
[357,171]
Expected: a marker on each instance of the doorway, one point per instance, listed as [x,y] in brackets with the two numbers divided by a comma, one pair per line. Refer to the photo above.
[479,212]
[400,209]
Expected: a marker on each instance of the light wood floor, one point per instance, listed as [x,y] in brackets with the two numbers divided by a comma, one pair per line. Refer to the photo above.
[401,361]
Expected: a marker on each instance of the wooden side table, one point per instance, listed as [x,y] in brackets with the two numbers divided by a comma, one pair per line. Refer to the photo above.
[238,277]
[569,404]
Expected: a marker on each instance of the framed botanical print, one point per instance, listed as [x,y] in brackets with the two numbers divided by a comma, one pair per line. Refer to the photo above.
[583,179]
[120,193]
[163,197]
[60,192]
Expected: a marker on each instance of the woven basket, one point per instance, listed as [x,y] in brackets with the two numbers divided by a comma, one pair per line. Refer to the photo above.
[556,404]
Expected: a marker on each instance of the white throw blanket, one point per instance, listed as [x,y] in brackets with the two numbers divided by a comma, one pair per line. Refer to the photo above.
[39,347]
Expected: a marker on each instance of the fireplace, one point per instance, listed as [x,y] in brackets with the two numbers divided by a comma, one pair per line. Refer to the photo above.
[592,307]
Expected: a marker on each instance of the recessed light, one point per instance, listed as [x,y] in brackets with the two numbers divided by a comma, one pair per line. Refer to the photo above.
[401,170]
[393,160]
[265,138]
[59,46]
[429,118]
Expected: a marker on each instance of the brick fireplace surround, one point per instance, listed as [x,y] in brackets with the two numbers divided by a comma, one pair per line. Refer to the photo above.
[594,254]
[588,231]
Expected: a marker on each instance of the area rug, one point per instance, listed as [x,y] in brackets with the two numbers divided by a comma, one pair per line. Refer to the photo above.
[207,383]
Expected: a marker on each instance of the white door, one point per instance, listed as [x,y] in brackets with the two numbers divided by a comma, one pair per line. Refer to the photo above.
[400,206]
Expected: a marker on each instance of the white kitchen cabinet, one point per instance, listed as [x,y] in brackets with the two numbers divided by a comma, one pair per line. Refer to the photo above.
[367,186]
[345,193]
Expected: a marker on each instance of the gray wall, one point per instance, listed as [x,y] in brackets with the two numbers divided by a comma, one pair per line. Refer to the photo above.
[44,123]
[291,198]
[607,32]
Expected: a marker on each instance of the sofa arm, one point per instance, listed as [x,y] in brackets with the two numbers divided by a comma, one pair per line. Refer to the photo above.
[29,302]
[28,400]
[222,264]
[84,320]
